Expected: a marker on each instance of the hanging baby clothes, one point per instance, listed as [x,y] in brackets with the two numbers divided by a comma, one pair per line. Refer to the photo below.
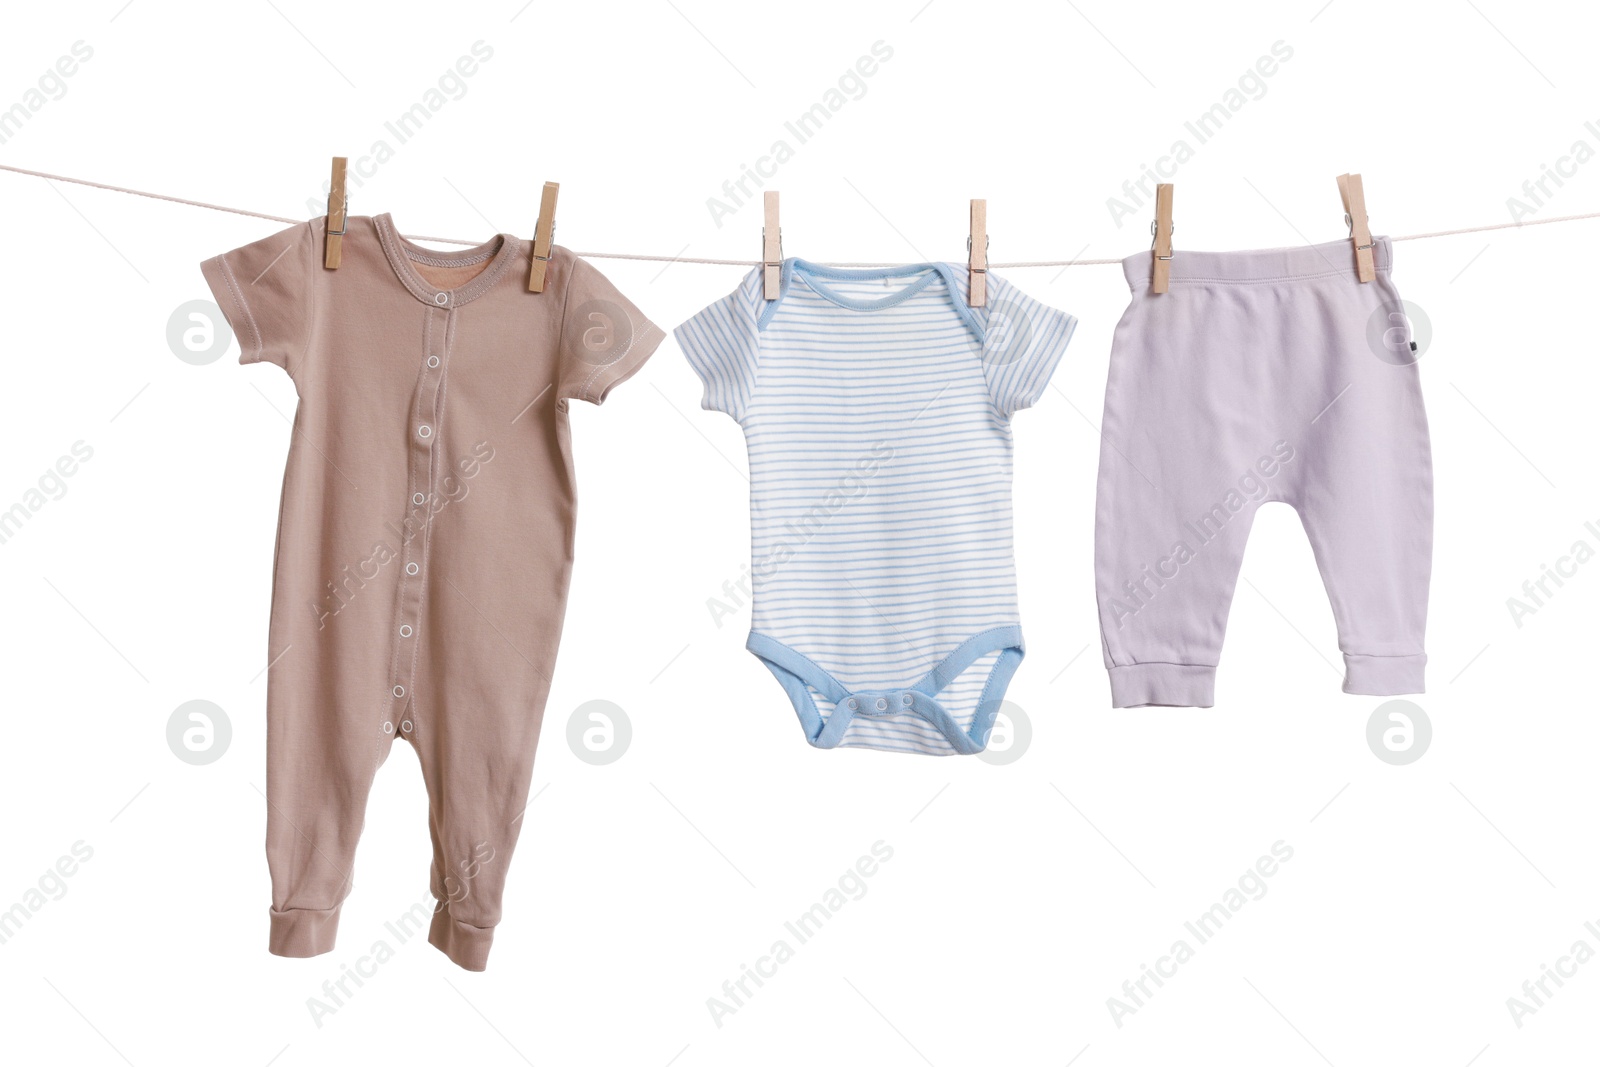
[1261,376]
[876,406]
[424,545]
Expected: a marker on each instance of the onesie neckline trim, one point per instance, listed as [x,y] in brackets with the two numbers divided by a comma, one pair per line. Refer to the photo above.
[500,250]
[795,268]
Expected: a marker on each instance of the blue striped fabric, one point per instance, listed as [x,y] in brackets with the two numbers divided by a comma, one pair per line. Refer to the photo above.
[876,407]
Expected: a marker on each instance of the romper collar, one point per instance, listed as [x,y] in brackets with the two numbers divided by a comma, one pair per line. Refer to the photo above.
[500,251]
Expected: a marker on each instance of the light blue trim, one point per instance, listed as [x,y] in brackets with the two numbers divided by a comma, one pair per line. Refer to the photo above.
[796,673]
[793,671]
[813,271]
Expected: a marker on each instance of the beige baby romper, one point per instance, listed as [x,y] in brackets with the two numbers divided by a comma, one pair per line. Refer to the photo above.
[424,546]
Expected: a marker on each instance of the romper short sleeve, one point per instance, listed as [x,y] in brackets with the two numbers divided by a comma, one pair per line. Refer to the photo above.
[604,338]
[722,343]
[264,291]
[1023,341]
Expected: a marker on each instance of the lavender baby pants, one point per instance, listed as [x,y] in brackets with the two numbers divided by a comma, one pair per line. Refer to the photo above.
[1261,376]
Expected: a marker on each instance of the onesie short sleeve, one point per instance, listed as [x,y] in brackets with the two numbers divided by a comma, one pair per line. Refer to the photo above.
[264,291]
[1023,342]
[604,338]
[722,344]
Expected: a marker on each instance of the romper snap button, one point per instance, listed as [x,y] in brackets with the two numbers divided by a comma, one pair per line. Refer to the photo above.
[405,727]
[906,699]
[411,568]
[441,299]
[853,704]
[399,690]
[433,361]
[388,727]
[882,704]
[424,431]
[405,631]
[418,498]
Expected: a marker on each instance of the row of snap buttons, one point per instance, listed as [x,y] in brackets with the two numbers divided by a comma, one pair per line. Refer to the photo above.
[425,432]
[882,702]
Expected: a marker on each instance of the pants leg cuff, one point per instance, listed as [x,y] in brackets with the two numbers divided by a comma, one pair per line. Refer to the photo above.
[466,945]
[1383,676]
[1163,685]
[300,932]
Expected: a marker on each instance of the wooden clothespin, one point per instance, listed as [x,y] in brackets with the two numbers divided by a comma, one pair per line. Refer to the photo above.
[1355,214]
[338,205]
[544,233]
[771,246]
[1161,264]
[978,255]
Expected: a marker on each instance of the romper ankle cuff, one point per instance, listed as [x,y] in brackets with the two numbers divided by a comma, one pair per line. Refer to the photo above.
[466,945]
[300,932]
[1170,685]
[1383,676]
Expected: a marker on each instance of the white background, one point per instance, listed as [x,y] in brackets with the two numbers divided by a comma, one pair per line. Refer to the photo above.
[1019,897]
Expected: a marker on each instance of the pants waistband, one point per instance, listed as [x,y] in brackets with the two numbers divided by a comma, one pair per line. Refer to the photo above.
[1331,259]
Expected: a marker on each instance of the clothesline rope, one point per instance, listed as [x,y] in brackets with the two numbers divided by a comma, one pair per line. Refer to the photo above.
[736,262]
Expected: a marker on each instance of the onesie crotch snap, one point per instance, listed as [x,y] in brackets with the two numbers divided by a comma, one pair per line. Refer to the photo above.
[885,705]
[891,702]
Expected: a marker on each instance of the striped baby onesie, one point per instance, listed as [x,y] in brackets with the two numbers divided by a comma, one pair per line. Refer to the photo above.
[876,407]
